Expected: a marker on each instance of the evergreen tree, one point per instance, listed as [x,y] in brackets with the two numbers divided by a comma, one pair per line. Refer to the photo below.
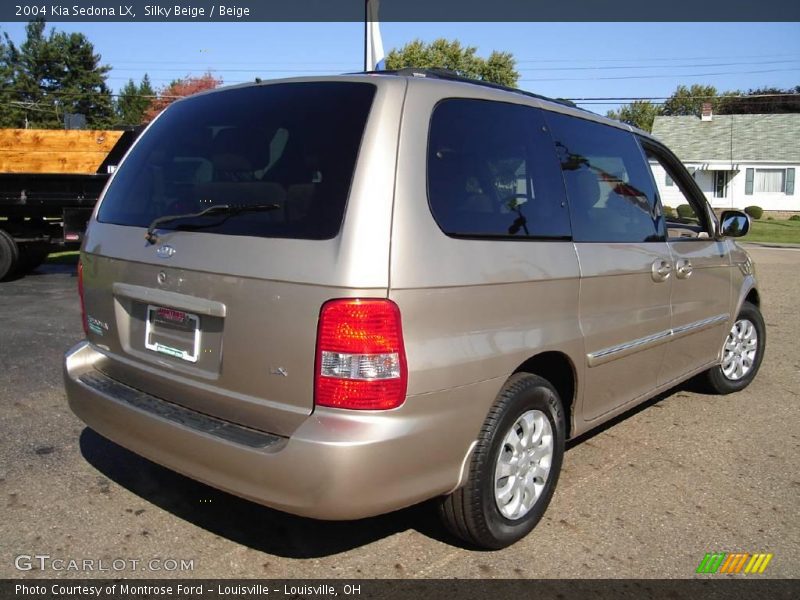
[53,74]
[133,102]
[10,113]
[145,88]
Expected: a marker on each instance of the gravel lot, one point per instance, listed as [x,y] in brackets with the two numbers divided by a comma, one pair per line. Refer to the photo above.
[646,497]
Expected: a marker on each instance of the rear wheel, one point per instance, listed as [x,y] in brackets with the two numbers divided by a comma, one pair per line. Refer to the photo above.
[742,352]
[9,256]
[514,467]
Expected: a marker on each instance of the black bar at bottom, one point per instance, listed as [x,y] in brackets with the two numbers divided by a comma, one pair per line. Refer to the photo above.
[714,587]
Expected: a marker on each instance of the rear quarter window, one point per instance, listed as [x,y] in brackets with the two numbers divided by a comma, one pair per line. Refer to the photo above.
[294,145]
[492,172]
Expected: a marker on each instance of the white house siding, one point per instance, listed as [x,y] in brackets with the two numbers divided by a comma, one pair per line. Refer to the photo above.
[735,197]
[734,143]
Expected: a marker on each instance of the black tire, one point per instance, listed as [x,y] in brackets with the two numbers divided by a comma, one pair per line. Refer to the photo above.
[31,256]
[471,512]
[716,379]
[9,256]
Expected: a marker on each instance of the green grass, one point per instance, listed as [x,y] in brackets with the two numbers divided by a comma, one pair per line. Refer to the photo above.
[63,258]
[782,232]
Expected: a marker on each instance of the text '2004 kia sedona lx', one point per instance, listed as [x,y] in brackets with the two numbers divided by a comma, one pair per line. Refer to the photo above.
[341,296]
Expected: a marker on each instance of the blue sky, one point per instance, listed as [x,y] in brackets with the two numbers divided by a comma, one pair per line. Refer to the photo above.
[571,60]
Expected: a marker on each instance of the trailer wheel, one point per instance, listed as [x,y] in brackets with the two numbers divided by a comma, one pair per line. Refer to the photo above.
[31,256]
[9,256]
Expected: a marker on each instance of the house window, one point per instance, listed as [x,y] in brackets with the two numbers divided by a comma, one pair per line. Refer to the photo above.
[770,180]
[720,184]
[668,180]
[774,181]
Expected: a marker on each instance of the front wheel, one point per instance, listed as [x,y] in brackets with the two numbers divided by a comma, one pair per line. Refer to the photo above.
[742,352]
[514,467]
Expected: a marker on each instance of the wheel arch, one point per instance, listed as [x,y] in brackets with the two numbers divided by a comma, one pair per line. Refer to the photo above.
[557,368]
[748,292]
[753,297]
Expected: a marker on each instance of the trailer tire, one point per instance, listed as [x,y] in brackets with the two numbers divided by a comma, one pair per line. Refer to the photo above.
[32,255]
[9,256]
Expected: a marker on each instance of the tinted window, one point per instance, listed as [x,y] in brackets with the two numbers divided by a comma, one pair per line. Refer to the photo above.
[492,172]
[611,194]
[293,145]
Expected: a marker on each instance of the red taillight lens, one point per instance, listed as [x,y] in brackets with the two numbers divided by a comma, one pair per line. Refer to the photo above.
[361,361]
[80,294]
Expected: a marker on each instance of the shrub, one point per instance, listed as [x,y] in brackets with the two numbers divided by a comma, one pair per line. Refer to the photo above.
[794,218]
[770,218]
[670,212]
[685,211]
[754,211]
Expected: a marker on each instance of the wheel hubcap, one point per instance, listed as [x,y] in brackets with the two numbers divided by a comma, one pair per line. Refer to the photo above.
[523,464]
[739,351]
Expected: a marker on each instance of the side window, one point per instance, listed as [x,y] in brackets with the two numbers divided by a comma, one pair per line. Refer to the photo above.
[492,172]
[684,219]
[611,194]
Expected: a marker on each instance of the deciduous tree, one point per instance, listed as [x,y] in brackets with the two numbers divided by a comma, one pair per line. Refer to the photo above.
[639,113]
[178,89]
[499,67]
[766,100]
[689,100]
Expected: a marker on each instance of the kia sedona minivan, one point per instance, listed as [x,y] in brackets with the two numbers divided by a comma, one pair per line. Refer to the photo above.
[341,296]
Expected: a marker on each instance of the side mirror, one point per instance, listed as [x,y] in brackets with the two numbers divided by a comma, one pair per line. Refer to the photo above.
[734,223]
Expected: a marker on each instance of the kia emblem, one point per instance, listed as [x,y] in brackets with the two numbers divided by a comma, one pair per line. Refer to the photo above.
[165,251]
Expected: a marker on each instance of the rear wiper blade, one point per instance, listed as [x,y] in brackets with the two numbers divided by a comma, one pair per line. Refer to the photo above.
[229,209]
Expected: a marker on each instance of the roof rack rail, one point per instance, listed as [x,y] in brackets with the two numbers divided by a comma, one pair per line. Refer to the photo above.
[447,74]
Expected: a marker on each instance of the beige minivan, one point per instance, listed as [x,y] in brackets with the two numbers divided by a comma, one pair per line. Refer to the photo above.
[341,296]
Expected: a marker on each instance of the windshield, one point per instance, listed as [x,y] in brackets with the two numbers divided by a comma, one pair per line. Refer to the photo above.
[293,145]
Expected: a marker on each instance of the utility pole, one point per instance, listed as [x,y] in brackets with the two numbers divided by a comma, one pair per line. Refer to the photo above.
[366,33]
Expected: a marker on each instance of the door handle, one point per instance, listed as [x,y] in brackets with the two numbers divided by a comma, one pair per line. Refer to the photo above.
[661,270]
[683,268]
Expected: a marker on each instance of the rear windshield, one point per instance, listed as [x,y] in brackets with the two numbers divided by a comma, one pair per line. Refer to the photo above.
[291,145]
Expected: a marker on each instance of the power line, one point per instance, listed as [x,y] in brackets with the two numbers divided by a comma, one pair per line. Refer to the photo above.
[529,79]
[202,62]
[660,59]
[651,98]
[620,77]
[215,70]
[57,94]
[524,69]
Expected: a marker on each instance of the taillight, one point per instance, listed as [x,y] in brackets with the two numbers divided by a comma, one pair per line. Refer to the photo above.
[80,294]
[361,361]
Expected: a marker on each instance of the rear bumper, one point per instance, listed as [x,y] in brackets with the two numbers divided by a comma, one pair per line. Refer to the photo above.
[336,465]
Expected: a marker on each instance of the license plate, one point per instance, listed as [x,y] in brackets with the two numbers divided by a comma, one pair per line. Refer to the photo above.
[172,332]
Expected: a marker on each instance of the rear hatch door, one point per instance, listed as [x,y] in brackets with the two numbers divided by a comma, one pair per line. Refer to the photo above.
[218,311]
